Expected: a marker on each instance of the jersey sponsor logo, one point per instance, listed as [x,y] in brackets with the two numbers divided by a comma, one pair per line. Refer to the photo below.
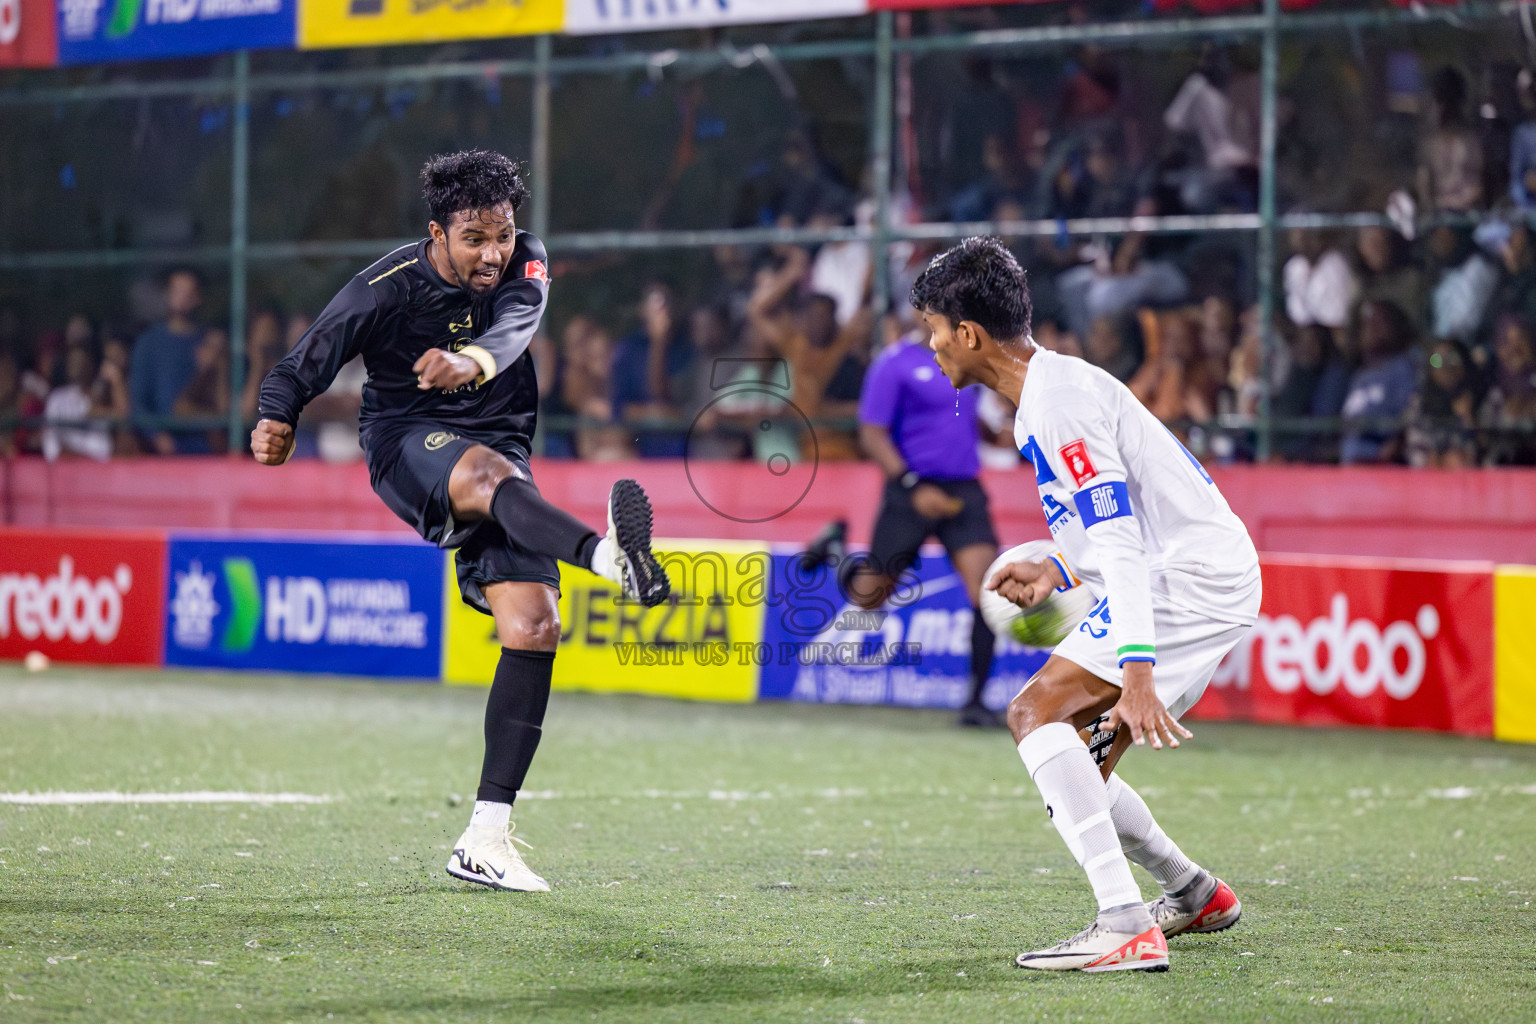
[1032,452]
[1056,514]
[1075,455]
[536,270]
[1105,501]
[1104,504]
[438,438]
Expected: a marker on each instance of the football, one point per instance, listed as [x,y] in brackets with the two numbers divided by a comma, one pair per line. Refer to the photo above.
[1047,623]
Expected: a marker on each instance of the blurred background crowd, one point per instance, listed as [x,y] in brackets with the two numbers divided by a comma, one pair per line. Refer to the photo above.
[1407,338]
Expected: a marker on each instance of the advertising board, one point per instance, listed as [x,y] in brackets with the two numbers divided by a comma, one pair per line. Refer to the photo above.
[826,650]
[328,23]
[1365,642]
[94,31]
[356,607]
[700,646]
[28,34]
[584,17]
[86,597]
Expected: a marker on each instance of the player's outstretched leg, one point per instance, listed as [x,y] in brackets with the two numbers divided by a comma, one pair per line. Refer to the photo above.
[1124,936]
[624,555]
[1043,719]
[1193,899]
[514,719]
[486,483]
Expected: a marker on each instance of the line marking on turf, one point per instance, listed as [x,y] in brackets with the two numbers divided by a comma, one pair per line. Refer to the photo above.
[690,794]
[204,796]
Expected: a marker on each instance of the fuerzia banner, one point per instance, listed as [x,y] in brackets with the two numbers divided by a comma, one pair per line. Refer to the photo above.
[82,597]
[592,16]
[28,34]
[326,23]
[357,606]
[1389,644]
[92,31]
[700,645]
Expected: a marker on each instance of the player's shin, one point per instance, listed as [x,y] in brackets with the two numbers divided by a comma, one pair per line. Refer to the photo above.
[514,720]
[536,525]
[1187,887]
[1076,800]
[1145,843]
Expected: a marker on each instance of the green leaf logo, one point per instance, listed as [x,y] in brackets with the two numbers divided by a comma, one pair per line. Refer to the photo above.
[125,18]
[245,602]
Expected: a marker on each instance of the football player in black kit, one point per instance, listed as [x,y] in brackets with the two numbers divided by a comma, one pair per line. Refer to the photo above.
[447,422]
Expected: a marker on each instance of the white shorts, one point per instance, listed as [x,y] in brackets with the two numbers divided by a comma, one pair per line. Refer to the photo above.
[1190,645]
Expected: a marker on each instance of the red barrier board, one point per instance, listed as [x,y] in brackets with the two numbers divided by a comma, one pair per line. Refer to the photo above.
[1400,645]
[82,597]
[28,34]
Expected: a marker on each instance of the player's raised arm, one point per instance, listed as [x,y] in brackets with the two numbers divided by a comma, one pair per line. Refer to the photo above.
[330,343]
[517,309]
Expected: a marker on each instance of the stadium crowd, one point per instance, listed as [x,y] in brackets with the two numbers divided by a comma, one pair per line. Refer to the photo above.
[1396,345]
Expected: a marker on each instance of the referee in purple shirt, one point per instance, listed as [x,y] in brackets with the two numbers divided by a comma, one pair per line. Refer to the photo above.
[924,435]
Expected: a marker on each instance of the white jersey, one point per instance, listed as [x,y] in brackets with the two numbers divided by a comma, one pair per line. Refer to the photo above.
[1135,517]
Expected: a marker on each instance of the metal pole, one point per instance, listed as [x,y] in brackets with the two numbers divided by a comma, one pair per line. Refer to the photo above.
[239,232]
[880,158]
[1270,85]
[538,216]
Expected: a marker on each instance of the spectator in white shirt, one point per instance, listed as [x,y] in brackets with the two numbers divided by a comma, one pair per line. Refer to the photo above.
[1223,116]
[71,403]
[1320,286]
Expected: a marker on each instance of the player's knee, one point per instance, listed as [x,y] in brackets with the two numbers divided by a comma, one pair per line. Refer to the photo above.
[533,631]
[489,474]
[1034,706]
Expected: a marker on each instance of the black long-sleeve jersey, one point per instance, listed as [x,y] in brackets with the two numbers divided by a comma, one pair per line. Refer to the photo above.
[395,311]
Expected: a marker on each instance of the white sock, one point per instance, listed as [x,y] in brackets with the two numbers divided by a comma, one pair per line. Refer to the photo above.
[605,559]
[1074,796]
[489,814]
[1144,841]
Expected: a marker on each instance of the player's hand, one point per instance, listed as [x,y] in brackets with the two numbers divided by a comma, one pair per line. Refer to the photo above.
[272,442]
[439,368]
[1139,710]
[933,502]
[1026,584]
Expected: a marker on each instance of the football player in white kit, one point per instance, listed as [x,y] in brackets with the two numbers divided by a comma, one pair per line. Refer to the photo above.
[1137,521]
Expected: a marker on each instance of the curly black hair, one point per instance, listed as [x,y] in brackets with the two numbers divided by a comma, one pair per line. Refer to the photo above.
[468,181]
[980,281]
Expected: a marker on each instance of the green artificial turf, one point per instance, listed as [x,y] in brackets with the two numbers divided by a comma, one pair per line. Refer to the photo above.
[715,863]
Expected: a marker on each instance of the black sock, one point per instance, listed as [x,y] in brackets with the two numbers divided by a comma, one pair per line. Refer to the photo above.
[535,525]
[514,721]
[982,640]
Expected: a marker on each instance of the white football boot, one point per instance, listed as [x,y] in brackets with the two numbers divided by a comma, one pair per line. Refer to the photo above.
[624,554]
[486,856]
[1099,948]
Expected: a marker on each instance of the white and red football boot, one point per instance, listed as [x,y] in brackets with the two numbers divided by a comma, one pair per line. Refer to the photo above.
[1099,948]
[1220,912]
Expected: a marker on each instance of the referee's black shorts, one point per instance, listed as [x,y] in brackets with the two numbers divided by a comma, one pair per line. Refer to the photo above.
[900,530]
[409,464]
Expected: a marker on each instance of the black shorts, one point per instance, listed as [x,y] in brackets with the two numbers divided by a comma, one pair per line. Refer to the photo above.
[409,465]
[900,531]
